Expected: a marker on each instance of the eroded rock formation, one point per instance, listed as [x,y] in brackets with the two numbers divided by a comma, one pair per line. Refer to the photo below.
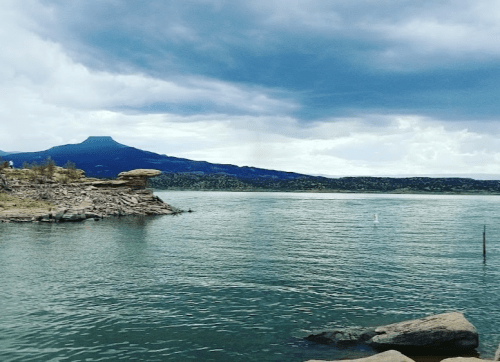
[137,178]
[82,199]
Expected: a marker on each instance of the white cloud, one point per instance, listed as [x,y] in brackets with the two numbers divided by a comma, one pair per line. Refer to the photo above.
[38,71]
[47,99]
[410,145]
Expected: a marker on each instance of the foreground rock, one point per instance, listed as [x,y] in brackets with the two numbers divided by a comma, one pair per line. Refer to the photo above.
[448,332]
[463,359]
[81,200]
[395,356]
[497,355]
[388,356]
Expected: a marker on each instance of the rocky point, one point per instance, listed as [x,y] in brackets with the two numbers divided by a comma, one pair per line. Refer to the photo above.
[26,197]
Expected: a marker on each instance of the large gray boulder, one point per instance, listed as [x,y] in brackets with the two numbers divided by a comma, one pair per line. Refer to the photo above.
[446,332]
[387,356]
[497,355]
[464,359]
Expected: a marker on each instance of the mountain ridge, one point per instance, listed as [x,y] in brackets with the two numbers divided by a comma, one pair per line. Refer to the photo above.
[103,157]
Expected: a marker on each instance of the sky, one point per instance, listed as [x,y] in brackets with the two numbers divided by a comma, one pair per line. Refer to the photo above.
[321,87]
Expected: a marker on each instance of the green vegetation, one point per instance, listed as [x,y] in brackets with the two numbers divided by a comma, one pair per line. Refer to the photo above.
[222,182]
[47,170]
[71,172]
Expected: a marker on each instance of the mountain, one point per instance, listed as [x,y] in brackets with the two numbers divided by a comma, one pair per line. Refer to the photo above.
[105,158]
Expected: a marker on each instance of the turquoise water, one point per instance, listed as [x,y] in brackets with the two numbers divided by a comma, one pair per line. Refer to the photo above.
[245,276]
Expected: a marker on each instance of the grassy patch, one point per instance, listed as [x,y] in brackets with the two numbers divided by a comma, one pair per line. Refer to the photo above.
[59,174]
[8,202]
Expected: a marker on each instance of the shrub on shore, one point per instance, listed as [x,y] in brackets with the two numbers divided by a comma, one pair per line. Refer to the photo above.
[46,170]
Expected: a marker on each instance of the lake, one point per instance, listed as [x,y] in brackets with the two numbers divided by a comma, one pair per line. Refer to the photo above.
[246,276]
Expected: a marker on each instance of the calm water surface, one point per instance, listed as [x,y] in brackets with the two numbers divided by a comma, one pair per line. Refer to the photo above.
[246,276]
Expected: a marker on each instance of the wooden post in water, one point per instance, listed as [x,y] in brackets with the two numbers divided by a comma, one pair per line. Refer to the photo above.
[484,242]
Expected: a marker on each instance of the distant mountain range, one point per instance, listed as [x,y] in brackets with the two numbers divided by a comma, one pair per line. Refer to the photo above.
[409,185]
[103,157]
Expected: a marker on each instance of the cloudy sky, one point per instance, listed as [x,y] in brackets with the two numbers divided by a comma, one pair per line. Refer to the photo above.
[331,87]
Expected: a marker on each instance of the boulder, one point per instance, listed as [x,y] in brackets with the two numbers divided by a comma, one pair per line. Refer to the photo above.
[140,172]
[138,178]
[344,337]
[448,332]
[442,332]
[497,355]
[464,359]
[387,356]
[73,217]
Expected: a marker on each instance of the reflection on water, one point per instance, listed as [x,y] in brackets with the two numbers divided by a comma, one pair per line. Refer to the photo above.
[245,277]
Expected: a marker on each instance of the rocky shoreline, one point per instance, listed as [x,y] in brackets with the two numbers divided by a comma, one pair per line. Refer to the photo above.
[81,199]
[447,334]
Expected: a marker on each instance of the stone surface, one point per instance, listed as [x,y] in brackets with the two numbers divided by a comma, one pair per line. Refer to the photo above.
[439,333]
[78,201]
[344,337]
[4,186]
[109,183]
[140,172]
[497,355]
[448,331]
[387,356]
[463,359]
[138,178]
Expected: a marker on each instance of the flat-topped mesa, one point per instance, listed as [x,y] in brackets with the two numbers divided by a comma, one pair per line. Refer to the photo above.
[138,179]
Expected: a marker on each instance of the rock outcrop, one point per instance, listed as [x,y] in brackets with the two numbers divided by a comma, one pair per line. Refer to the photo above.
[137,178]
[387,356]
[81,200]
[438,333]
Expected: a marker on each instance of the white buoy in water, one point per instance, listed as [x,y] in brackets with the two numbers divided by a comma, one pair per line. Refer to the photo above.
[375,218]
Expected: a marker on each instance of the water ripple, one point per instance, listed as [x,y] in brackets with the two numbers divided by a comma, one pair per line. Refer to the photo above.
[244,278]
